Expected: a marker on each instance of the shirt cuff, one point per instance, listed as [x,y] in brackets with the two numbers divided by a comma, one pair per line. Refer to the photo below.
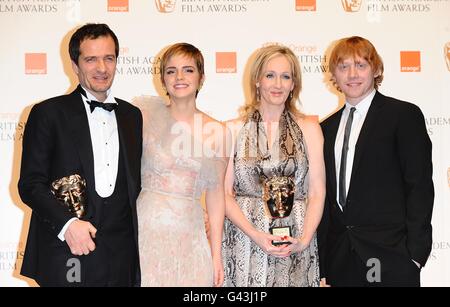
[416,263]
[63,230]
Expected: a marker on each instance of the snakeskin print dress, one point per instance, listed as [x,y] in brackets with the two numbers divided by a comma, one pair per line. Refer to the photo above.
[245,264]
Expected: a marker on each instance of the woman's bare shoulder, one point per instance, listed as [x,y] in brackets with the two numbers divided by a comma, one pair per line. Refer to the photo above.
[309,124]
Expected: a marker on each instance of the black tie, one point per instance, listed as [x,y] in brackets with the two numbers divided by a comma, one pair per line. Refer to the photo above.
[342,170]
[107,106]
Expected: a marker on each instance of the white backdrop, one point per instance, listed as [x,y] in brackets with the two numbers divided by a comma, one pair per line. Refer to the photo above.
[410,35]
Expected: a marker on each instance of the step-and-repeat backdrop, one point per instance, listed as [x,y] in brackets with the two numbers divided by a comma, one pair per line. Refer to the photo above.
[412,36]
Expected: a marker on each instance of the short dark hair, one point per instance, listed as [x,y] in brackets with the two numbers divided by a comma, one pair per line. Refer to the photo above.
[90,31]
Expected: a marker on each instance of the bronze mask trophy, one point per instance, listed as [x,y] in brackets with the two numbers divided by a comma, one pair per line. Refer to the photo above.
[278,196]
[70,191]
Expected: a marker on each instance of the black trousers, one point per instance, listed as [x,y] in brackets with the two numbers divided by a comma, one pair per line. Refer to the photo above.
[353,272]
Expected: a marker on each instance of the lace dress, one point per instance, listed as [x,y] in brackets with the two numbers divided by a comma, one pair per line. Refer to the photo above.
[245,263]
[173,246]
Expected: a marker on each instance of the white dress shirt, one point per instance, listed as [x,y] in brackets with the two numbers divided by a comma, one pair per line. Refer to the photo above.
[358,120]
[105,146]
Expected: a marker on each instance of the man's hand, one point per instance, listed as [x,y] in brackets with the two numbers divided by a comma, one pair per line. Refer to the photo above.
[79,236]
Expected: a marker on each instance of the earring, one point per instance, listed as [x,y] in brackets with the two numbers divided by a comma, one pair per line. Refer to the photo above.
[290,95]
[258,94]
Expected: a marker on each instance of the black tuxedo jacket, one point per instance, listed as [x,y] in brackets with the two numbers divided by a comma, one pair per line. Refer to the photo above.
[390,195]
[57,143]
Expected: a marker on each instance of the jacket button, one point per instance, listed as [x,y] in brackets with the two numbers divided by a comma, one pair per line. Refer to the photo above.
[349,227]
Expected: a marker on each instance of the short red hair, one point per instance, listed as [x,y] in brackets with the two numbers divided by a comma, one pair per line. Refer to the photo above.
[361,47]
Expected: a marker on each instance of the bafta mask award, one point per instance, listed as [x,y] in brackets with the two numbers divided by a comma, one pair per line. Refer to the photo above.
[165,6]
[278,196]
[351,5]
[70,191]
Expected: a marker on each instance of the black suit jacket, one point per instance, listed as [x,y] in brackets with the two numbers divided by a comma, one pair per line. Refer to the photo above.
[57,143]
[390,196]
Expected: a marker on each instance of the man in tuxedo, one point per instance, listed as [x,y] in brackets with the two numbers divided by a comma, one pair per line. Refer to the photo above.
[376,228]
[98,137]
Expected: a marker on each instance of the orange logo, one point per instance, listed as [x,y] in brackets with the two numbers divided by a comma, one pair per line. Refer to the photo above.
[165,6]
[410,61]
[117,5]
[351,5]
[226,62]
[305,5]
[35,63]
[447,54]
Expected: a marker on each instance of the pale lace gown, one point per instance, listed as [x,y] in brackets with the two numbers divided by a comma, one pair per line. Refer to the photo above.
[173,246]
[244,262]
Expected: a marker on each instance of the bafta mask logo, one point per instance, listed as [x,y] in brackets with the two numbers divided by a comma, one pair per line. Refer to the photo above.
[351,5]
[448,177]
[447,56]
[165,6]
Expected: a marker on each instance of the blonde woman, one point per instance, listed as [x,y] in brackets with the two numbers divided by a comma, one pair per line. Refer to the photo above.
[275,144]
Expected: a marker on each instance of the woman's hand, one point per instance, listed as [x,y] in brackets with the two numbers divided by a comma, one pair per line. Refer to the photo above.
[296,246]
[218,272]
[264,241]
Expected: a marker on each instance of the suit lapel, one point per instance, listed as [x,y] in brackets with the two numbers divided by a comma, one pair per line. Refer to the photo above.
[364,135]
[79,130]
[125,140]
[329,149]
[81,136]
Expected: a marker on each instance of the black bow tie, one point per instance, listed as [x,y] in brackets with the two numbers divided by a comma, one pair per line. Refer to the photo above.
[106,106]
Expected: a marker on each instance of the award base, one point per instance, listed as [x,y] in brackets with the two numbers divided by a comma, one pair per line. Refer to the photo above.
[281,231]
